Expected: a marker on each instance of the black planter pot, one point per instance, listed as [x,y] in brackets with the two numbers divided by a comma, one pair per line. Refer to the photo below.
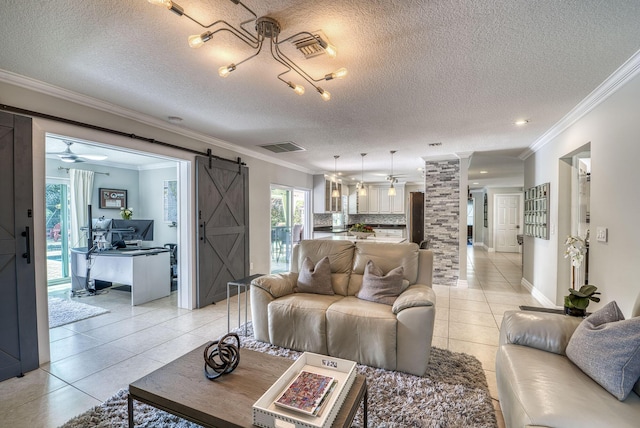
[575,312]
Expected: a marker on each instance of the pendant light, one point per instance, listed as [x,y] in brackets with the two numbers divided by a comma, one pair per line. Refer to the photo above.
[363,190]
[392,190]
[335,193]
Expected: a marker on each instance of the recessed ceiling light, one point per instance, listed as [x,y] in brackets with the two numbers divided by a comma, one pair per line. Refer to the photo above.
[521,122]
[484,172]
[475,182]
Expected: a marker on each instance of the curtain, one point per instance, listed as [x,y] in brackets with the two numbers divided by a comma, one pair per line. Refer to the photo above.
[81,193]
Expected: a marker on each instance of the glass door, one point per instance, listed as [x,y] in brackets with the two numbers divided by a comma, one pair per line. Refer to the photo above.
[57,232]
[290,222]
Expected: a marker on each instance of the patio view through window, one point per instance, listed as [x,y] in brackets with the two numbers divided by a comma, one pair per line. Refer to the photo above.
[288,219]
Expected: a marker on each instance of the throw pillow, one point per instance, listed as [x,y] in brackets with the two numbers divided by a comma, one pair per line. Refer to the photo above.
[380,288]
[314,279]
[607,348]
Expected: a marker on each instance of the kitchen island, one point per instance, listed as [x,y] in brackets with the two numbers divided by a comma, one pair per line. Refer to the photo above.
[381,230]
[392,239]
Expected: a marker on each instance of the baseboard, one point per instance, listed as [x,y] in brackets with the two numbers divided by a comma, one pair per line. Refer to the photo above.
[536,294]
[478,244]
[491,250]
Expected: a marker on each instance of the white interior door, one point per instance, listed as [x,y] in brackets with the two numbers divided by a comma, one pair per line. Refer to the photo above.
[507,223]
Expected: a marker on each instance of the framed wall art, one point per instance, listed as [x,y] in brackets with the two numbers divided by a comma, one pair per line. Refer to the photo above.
[170,194]
[113,198]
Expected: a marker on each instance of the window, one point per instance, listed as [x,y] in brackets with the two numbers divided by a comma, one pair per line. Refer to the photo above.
[290,222]
[57,231]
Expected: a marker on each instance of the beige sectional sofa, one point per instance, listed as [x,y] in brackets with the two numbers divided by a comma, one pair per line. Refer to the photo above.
[393,337]
[539,386]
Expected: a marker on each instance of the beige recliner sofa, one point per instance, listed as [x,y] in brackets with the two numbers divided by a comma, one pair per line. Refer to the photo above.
[394,337]
[539,386]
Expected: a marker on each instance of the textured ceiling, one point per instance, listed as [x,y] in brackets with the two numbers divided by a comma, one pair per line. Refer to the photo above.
[452,72]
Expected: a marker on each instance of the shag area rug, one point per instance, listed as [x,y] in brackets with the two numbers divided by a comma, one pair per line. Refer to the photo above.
[453,393]
[64,311]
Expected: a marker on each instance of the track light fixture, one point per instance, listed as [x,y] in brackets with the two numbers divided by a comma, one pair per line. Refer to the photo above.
[264,28]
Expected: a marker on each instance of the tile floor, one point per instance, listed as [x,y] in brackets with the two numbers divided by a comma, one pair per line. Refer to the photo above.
[94,358]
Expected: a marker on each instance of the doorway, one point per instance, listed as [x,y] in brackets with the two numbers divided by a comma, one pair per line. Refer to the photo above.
[149,184]
[581,210]
[290,223]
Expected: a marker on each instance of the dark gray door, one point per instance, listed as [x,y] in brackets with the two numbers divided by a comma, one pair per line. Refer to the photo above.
[223,227]
[18,331]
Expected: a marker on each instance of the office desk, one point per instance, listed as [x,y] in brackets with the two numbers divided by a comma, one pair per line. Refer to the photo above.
[147,271]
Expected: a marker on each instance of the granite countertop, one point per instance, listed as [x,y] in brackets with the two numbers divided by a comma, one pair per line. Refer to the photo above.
[391,239]
[341,229]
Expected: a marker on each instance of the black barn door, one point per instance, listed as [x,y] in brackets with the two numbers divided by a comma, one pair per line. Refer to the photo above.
[223,227]
[18,329]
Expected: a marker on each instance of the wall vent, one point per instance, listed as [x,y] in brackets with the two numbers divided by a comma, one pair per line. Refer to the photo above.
[283,147]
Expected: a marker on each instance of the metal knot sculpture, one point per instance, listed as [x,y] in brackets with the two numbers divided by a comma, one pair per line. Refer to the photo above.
[221,356]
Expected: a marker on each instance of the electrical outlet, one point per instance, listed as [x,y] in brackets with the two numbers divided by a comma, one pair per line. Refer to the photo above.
[601,234]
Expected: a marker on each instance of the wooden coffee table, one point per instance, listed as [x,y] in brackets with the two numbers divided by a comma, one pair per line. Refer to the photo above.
[182,389]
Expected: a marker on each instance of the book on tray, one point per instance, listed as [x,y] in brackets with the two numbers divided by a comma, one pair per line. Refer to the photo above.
[307,393]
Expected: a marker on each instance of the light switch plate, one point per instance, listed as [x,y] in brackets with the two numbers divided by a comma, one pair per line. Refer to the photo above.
[601,234]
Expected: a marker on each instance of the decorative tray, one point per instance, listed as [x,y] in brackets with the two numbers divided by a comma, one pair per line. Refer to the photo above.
[267,415]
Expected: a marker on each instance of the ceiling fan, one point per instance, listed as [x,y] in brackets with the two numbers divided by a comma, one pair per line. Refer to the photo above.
[70,157]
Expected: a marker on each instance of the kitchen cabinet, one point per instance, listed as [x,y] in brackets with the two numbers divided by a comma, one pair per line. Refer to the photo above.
[361,202]
[386,204]
[373,194]
[398,201]
[384,200]
[377,200]
[322,200]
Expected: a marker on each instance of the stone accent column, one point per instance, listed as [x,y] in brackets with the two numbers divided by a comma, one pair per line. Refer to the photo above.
[442,218]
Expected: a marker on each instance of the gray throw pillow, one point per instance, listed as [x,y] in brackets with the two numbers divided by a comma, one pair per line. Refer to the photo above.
[314,279]
[607,348]
[380,288]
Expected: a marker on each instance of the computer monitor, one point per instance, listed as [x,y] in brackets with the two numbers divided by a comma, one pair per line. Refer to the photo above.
[131,230]
[100,231]
[100,224]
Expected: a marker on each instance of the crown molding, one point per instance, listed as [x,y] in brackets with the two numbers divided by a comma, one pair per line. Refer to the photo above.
[611,85]
[84,100]
[441,158]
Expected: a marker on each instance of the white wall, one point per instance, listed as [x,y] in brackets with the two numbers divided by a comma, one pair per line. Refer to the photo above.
[613,129]
[151,203]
